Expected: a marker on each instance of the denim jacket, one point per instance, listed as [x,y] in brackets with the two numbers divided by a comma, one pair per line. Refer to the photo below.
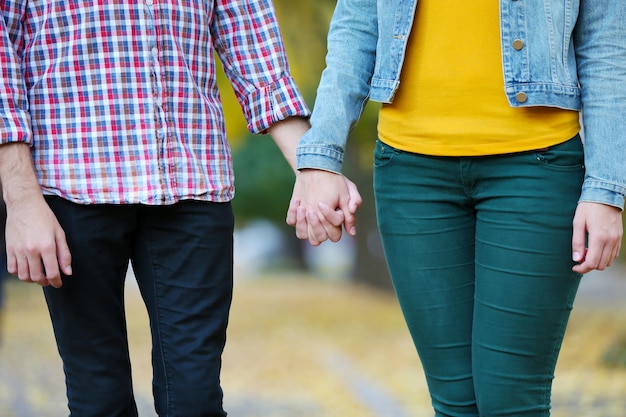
[561,53]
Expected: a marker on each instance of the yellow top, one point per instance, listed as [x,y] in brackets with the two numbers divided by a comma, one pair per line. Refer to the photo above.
[451,100]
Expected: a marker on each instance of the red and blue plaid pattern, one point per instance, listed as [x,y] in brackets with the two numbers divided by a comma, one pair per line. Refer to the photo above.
[119,100]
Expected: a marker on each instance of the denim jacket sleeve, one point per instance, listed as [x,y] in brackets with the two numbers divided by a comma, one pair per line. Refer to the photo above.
[344,86]
[600,45]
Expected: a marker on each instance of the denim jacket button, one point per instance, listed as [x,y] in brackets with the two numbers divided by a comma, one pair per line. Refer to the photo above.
[521,97]
[518,44]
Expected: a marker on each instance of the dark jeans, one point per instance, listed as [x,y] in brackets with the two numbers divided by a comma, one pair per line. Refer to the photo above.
[480,254]
[182,259]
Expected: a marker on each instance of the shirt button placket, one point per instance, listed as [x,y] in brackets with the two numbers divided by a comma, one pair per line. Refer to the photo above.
[155,69]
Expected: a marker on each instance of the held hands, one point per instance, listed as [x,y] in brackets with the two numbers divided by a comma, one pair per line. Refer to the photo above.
[322,202]
[597,236]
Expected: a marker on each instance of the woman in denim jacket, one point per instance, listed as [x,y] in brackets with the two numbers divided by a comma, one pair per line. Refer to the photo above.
[488,208]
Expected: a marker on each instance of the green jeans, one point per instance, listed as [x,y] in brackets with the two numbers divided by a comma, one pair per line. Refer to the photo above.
[479,251]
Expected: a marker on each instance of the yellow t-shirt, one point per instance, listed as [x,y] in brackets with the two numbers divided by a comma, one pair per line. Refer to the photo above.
[451,99]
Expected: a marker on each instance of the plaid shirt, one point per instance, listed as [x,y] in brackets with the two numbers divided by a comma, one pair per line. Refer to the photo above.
[118,98]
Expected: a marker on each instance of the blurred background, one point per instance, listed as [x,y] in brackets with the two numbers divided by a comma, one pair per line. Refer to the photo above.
[314,331]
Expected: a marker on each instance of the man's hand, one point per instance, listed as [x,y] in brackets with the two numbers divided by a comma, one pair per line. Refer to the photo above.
[322,202]
[597,236]
[36,247]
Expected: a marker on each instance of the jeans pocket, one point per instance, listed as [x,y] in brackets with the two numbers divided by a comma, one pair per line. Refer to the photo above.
[384,154]
[568,155]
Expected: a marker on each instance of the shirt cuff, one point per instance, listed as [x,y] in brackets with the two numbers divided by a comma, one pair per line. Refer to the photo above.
[273,103]
[15,127]
[324,157]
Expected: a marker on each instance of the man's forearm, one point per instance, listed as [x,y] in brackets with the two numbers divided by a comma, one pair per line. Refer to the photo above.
[286,134]
[17,173]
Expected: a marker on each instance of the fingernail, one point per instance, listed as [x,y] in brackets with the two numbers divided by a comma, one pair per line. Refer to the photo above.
[576,256]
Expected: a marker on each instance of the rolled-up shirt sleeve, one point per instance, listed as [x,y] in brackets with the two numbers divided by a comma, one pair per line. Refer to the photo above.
[249,43]
[14,115]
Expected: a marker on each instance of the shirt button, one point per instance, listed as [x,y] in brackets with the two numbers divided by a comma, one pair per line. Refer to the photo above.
[149,2]
[521,97]
[518,44]
[154,51]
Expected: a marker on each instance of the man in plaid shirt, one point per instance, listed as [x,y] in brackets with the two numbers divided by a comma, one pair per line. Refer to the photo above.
[113,148]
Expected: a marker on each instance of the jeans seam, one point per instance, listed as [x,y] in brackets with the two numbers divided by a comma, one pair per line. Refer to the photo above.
[157,327]
[556,349]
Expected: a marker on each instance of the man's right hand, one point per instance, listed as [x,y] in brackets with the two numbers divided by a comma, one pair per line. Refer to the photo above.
[36,247]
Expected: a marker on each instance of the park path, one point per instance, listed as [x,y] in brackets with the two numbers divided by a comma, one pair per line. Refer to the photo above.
[303,347]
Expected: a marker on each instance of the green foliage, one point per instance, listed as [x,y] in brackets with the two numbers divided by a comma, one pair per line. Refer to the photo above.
[263,181]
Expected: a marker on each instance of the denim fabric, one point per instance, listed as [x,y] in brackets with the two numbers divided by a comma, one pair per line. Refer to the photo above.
[182,258]
[573,56]
[479,251]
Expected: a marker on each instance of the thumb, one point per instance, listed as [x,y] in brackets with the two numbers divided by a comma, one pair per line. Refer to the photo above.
[355,198]
[63,254]
[292,212]
[350,222]
[579,240]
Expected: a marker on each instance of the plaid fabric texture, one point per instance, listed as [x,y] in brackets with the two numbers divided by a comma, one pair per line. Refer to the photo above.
[119,100]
